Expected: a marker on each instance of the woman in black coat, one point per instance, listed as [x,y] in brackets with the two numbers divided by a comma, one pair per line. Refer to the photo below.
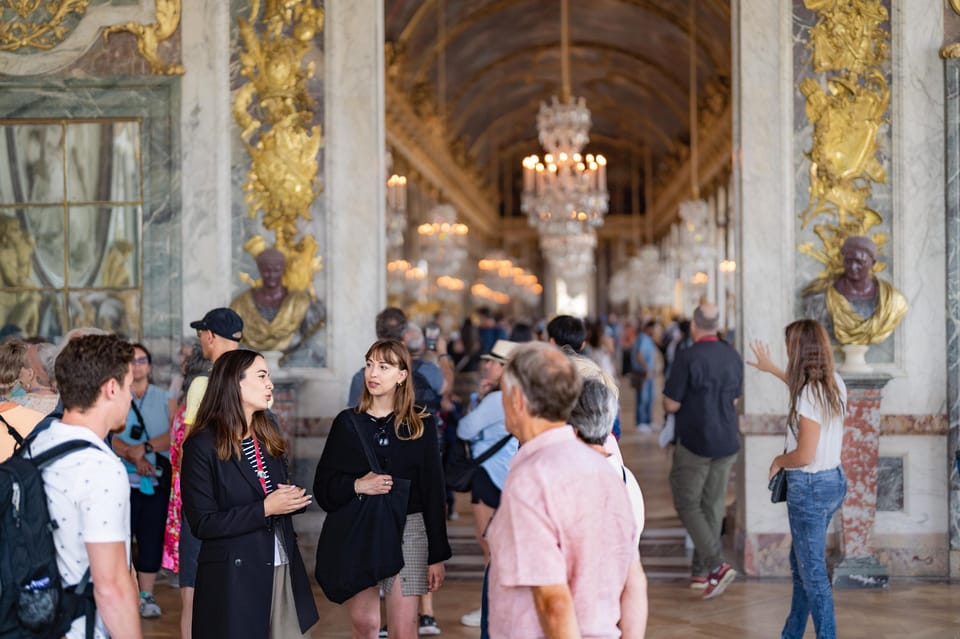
[251,581]
[404,441]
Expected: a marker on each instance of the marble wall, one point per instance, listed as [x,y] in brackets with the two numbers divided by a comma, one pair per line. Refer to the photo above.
[768,191]
[952,79]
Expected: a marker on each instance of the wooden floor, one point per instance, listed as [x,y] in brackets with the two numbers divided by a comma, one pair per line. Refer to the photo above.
[749,608]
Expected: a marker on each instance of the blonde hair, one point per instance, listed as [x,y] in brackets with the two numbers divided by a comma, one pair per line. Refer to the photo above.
[408,423]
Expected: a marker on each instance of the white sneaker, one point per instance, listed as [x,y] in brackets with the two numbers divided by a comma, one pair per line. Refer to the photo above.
[148,606]
[472,619]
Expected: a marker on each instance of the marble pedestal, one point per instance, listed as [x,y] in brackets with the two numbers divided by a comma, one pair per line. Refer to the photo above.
[861,452]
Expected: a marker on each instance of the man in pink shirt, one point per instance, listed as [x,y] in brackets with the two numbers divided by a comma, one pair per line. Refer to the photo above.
[563,562]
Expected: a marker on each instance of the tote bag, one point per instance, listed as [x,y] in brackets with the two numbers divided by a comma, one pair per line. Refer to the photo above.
[360,543]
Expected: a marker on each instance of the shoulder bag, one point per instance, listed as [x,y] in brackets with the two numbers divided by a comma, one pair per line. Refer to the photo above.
[459,467]
[360,544]
[778,486]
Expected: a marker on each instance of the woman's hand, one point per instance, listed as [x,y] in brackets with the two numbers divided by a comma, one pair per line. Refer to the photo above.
[285,499]
[761,351]
[373,484]
[775,467]
[435,574]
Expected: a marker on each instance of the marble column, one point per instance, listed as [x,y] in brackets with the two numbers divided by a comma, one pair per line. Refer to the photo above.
[952,86]
[860,458]
[355,193]
[205,158]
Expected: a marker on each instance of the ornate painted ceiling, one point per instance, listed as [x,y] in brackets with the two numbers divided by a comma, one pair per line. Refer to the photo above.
[496,60]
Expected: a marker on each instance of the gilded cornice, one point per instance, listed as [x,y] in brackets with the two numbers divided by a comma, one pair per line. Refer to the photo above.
[428,152]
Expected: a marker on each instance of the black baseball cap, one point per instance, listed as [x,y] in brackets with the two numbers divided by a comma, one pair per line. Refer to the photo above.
[223,322]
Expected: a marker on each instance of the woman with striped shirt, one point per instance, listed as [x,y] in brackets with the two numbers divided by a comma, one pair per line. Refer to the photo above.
[251,581]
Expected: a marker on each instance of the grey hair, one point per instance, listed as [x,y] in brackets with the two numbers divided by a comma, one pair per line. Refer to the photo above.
[594,413]
[547,379]
[47,356]
[413,338]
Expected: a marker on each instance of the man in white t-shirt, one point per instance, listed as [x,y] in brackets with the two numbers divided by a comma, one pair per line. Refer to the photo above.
[87,491]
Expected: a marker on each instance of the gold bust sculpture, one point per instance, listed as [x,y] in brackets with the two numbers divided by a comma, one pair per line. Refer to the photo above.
[859,307]
[274,317]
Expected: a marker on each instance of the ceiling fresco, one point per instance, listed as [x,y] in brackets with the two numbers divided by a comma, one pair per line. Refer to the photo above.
[628,58]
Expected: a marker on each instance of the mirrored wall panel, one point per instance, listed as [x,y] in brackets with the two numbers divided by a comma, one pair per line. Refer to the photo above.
[71,213]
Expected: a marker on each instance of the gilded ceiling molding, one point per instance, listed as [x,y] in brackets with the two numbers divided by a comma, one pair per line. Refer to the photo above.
[430,154]
[427,61]
[955,5]
[36,25]
[850,45]
[149,36]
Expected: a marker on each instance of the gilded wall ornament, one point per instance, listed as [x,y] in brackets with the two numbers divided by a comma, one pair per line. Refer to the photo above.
[149,36]
[848,39]
[274,111]
[36,24]
[851,46]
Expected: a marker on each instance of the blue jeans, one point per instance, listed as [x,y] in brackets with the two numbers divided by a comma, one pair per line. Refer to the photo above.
[645,403]
[812,499]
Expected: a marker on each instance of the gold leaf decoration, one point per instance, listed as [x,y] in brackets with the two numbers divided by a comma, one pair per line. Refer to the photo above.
[848,40]
[149,36]
[274,111]
[36,24]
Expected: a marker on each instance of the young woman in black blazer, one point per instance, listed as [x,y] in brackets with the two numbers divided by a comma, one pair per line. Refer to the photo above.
[251,581]
[404,440]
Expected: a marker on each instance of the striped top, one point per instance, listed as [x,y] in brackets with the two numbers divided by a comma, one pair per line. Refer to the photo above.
[250,452]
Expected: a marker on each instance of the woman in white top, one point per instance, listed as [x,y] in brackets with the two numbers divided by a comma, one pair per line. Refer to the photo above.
[816,484]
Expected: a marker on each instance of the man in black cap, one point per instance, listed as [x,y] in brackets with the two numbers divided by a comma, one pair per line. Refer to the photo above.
[219,332]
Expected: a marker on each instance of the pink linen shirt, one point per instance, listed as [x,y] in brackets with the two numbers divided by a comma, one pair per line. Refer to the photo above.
[563,518]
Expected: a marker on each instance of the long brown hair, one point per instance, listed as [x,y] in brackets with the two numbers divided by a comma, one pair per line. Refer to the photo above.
[406,414]
[221,410]
[810,363]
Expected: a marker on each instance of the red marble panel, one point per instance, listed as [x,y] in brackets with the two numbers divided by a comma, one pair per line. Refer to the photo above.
[861,446]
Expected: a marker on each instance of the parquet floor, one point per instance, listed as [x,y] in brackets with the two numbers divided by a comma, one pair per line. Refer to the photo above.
[750,608]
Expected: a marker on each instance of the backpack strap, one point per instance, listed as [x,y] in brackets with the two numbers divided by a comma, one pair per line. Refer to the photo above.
[13,433]
[60,450]
[490,452]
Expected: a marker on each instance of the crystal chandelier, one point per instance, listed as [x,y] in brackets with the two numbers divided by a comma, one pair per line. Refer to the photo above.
[566,192]
[443,241]
[571,256]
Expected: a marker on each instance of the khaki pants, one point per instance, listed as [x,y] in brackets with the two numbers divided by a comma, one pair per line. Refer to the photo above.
[699,486]
[283,609]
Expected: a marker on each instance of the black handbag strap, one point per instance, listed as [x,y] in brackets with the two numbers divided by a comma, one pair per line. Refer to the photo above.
[13,433]
[490,452]
[371,458]
[136,410]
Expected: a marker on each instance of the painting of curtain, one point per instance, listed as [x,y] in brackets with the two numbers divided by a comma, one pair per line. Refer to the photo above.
[71,206]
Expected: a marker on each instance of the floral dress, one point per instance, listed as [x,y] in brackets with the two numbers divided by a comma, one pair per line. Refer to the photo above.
[171,538]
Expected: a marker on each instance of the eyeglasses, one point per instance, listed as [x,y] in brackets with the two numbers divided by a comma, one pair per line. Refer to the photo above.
[141,360]
[383,439]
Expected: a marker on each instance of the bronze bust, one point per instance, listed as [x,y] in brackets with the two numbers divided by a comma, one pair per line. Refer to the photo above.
[857,307]
[275,318]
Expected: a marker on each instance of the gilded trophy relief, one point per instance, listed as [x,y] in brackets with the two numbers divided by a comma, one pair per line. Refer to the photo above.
[848,46]
[275,112]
